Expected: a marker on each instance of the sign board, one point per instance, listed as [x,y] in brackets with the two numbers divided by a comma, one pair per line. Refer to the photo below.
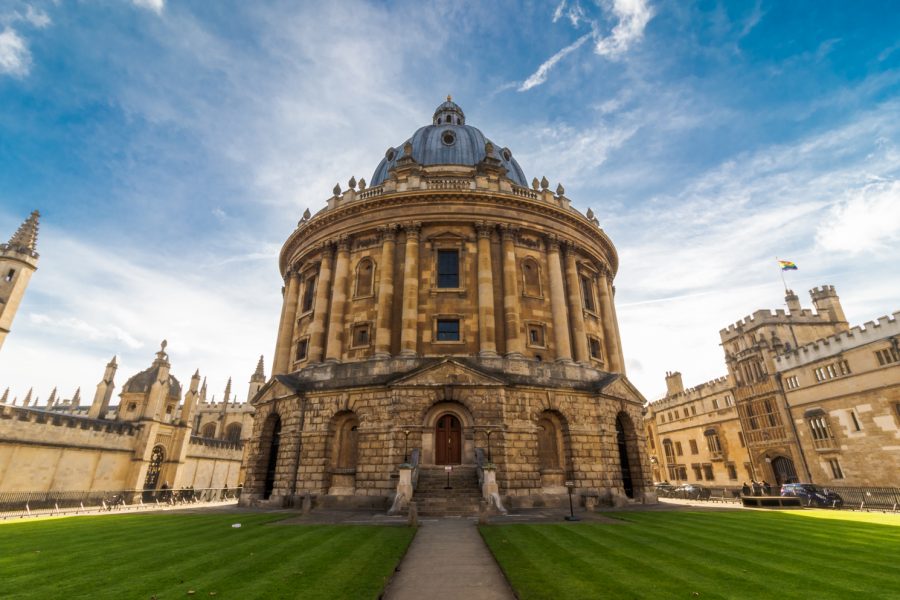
[569,484]
[448,468]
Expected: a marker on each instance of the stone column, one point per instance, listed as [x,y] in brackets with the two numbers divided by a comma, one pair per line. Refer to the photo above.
[408,336]
[608,321]
[510,292]
[385,292]
[558,301]
[576,308]
[487,345]
[286,324]
[316,349]
[334,350]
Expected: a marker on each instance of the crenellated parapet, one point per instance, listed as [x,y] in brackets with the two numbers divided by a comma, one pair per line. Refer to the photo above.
[693,394]
[871,331]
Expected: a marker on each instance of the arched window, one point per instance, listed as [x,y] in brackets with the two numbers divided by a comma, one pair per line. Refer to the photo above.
[157,456]
[208,431]
[365,274]
[233,432]
[549,442]
[531,278]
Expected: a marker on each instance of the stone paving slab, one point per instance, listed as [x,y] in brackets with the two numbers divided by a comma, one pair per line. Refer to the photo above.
[448,560]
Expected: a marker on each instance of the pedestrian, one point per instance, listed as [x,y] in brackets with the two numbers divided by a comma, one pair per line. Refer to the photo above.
[767,489]
[745,489]
[757,489]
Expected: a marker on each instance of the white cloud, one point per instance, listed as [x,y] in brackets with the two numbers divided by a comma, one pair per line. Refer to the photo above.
[558,13]
[36,17]
[540,76]
[15,59]
[156,6]
[867,221]
[633,16]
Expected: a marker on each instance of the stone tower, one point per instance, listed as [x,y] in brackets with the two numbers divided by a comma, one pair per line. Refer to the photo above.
[18,260]
[257,380]
[102,396]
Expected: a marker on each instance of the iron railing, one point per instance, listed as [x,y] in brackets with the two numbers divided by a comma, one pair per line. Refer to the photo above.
[852,497]
[25,504]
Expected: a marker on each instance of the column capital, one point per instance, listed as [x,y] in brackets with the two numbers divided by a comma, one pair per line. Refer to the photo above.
[508,232]
[569,248]
[484,228]
[388,233]
[343,243]
[292,272]
[553,242]
[413,229]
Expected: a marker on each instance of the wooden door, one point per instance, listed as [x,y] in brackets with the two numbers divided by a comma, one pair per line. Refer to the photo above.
[448,441]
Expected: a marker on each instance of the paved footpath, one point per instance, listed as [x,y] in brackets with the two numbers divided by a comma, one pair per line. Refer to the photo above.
[448,560]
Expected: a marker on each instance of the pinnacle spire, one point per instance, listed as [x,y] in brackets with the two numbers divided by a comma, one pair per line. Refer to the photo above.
[260,368]
[76,399]
[25,238]
[5,396]
[27,400]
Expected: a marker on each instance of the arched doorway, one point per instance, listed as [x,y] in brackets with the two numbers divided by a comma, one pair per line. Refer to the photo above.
[624,465]
[344,453]
[447,440]
[552,455]
[784,471]
[157,456]
[272,463]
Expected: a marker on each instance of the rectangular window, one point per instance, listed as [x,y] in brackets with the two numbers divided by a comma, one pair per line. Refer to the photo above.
[792,383]
[887,356]
[678,449]
[302,346]
[309,294]
[587,293]
[9,276]
[698,473]
[361,335]
[741,438]
[855,421]
[693,410]
[694,449]
[448,268]
[715,404]
[536,334]
[729,401]
[448,330]
[594,344]
[836,470]
[712,442]
[682,473]
[732,471]
[708,472]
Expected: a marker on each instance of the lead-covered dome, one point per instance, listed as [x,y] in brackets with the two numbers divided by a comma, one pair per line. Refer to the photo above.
[449,141]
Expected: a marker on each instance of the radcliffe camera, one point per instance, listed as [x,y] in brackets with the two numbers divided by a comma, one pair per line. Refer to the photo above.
[616,317]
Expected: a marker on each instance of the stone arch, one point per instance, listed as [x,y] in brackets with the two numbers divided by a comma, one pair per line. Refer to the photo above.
[531,278]
[364,285]
[429,422]
[629,455]
[233,432]
[268,456]
[208,431]
[553,450]
[343,452]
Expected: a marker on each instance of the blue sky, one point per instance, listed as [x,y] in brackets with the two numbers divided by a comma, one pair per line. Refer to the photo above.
[172,146]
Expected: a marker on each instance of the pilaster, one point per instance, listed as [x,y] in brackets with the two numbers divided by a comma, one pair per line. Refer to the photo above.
[558,301]
[408,335]
[487,344]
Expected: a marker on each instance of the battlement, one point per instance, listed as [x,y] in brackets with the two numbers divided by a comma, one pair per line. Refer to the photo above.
[698,392]
[53,418]
[870,331]
[772,317]
[826,291]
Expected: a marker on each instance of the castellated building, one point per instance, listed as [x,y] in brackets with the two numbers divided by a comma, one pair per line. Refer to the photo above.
[448,317]
[159,434]
[807,398]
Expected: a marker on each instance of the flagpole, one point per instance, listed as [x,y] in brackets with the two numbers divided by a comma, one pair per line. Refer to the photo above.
[781,270]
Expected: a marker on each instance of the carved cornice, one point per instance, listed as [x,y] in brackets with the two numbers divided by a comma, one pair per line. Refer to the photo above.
[413,229]
[412,199]
[388,233]
[484,228]
[508,233]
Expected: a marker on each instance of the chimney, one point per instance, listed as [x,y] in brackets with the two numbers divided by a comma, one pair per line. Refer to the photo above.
[674,385]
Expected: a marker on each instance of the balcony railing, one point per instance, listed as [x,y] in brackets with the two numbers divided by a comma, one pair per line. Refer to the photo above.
[766,435]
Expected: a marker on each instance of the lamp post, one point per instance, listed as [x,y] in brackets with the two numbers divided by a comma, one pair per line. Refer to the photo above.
[406,446]
[570,485]
[489,432]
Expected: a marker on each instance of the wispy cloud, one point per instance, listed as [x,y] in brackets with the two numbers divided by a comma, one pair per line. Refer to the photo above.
[867,221]
[632,17]
[540,76]
[15,58]
[156,6]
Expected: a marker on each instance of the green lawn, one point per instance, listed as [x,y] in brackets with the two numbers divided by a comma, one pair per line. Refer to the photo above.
[740,554]
[170,555]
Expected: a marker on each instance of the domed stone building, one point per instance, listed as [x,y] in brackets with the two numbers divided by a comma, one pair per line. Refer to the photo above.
[448,315]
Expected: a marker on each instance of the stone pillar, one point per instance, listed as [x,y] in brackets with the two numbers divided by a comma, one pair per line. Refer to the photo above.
[558,301]
[316,349]
[610,330]
[576,308]
[487,344]
[334,350]
[510,292]
[286,326]
[385,292]
[408,336]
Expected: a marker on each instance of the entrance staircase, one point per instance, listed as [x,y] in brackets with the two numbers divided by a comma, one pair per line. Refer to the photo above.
[432,500]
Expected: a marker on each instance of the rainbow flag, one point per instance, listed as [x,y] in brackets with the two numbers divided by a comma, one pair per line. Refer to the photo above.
[787,265]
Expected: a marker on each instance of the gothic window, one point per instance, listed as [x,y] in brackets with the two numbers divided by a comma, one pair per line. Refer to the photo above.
[587,293]
[233,432]
[365,274]
[669,451]
[447,330]
[531,278]
[157,456]
[713,443]
[208,431]
[818,426]
[309,293]
[448,268]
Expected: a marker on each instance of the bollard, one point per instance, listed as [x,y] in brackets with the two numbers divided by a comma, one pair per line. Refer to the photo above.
[306,507]
[412,518]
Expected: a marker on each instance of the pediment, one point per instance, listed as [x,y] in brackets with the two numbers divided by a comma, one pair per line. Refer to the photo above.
[447,235]
[274,388]
[623,389]
[447,372]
